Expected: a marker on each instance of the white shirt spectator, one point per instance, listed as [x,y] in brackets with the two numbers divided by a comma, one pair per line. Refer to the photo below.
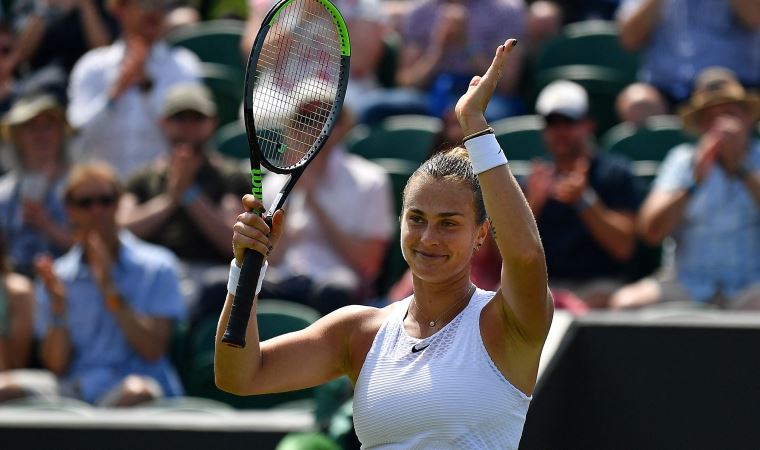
[356,191]
[125,132]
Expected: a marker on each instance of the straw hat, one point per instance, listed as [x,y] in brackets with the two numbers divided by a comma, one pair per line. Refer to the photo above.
[717,86]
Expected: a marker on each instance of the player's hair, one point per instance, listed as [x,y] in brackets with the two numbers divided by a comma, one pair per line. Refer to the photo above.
[82,173]
[451,164]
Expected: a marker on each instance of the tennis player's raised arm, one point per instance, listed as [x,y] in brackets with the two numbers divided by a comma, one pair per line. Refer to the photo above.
[288,362]
[523,277]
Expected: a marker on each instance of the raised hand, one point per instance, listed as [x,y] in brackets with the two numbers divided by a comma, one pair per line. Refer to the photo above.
[470,108]
[252,232]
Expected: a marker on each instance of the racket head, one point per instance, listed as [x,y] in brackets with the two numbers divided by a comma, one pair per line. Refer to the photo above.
[295,83]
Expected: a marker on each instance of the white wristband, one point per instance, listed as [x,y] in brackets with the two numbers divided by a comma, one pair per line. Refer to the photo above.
[232,281]
[485,153]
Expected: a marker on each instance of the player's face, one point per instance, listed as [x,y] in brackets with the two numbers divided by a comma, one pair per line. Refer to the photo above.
[438,228]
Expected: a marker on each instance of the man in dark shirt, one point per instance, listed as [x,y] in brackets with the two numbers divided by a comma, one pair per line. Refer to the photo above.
[584,201]
[187,201]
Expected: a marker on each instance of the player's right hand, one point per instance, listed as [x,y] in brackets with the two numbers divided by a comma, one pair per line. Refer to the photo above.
[252,232]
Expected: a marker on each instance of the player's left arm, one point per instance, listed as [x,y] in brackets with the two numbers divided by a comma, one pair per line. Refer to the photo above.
[526,300]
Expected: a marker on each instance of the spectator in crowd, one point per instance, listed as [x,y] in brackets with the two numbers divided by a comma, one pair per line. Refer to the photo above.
[188,200]
[446,42]
[340,221]
[181,16]
[33,217]
[54,34]
[584,201]
[707,197]
[116,92]
[543,22]
[105,309]
[16,317]
[639,101]
[679,38]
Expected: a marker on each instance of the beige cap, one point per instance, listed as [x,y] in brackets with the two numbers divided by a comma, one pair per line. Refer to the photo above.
[28,107]
[189,97]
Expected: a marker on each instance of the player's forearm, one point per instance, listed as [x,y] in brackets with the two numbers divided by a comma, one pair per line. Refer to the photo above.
[235,368]
[614,231]
[95,32]
[636,30]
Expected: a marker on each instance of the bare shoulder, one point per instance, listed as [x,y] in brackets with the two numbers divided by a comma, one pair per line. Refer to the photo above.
[359,326]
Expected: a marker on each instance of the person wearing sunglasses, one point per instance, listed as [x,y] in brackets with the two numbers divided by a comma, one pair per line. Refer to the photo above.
[584,201]
[105,309]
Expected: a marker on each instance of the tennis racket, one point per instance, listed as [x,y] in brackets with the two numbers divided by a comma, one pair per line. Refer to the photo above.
[295,82]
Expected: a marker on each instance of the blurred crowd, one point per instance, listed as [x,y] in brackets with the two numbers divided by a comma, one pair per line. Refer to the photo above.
[117,206]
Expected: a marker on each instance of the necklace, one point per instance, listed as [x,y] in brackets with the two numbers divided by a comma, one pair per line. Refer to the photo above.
[433,323]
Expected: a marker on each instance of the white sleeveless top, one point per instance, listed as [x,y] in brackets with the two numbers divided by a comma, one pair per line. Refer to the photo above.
[448,395]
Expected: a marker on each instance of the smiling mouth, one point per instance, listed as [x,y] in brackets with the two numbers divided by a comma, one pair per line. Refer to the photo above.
[428,255]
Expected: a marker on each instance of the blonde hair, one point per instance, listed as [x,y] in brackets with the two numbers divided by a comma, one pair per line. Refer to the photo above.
[97,170]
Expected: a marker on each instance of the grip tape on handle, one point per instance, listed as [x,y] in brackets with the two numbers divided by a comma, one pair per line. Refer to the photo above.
[234,334]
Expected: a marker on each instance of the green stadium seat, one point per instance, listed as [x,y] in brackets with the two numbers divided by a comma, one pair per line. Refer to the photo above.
[226,85]
[231,141]
[522,140]
[592,42]
[408,137]
[275,317]
[214,41]
[603,84]
[646,147]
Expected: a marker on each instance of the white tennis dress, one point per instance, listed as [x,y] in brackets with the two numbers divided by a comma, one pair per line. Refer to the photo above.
[447,394]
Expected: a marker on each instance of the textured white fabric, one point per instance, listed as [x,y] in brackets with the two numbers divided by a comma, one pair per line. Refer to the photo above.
[485,153]
[125,134]
[448,396]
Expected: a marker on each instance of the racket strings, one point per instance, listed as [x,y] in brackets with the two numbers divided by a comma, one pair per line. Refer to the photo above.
[296,82]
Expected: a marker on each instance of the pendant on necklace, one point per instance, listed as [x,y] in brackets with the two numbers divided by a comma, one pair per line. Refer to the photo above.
[431,324]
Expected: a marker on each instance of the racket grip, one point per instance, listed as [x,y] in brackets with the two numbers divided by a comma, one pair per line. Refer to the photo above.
[237,324]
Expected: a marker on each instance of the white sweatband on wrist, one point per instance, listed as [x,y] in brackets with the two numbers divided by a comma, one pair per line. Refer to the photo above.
[232,281]
[485,153]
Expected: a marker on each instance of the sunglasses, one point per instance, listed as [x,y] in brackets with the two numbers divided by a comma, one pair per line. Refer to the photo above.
[559,119]
[105,201]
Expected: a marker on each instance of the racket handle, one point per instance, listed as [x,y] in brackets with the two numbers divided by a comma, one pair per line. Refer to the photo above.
[237,324]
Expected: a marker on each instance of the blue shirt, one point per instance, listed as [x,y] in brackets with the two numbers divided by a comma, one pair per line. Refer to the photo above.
[24,241]
[718,239]
[145,276]
[693,35]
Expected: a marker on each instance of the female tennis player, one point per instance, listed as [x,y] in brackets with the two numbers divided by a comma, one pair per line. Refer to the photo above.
[452,366]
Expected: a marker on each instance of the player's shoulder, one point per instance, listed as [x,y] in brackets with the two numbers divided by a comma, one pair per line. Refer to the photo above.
[360,320]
